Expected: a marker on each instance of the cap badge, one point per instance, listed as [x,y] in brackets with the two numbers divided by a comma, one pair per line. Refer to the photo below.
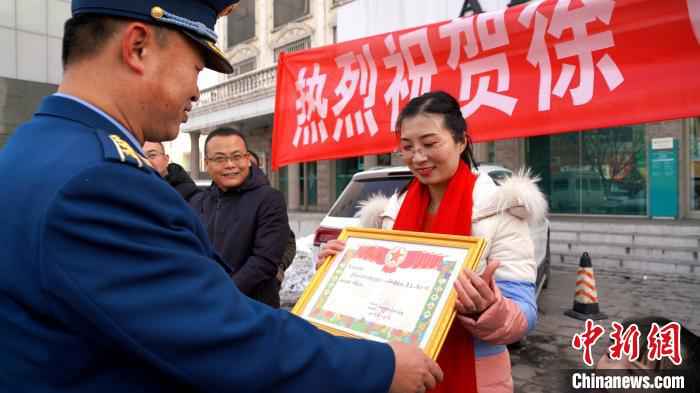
[157,12]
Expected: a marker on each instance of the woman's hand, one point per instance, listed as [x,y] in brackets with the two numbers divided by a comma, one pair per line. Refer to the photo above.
[330,248]
[475,294]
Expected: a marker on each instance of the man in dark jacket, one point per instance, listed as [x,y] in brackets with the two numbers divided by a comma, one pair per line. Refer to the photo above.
[245,217]
[173,173]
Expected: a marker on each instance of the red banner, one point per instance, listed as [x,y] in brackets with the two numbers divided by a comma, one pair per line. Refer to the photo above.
[543,67]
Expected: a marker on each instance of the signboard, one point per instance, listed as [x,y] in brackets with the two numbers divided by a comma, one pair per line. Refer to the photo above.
[543,67]
[663,178]
[662,143]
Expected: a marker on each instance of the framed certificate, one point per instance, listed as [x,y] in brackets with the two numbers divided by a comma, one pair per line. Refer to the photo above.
[390,286]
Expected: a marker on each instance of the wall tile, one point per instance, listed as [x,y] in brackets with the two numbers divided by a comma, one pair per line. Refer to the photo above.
[58,14]
[31,57]
[7,13]
[31,16]
[8,61]
[55,69]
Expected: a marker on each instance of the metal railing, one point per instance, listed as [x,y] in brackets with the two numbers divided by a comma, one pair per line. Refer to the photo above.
[238,87]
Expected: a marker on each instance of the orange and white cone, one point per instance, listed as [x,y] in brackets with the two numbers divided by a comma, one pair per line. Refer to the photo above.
[586,298]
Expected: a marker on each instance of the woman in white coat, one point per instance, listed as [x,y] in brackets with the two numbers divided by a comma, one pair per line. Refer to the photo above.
[497,306]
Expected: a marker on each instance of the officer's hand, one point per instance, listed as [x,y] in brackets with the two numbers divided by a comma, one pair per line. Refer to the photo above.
[414,371]
[331,247]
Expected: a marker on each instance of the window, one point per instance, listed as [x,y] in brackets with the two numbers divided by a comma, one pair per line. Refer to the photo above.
[344,169]
[243,66]
[384,159]
[308,189]
[304,43]
[560,185]
[362,190]
[241,23]
[594,172]
[284,182]
[289,10]
[491,152]
[615,159]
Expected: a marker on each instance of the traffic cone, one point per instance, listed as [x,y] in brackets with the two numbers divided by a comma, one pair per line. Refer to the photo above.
[586,298]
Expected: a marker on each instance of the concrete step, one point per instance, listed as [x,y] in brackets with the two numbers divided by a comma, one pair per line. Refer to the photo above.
[640,227]
[629,244]
[630,239]
[630,260]
[657,250]
[619,263]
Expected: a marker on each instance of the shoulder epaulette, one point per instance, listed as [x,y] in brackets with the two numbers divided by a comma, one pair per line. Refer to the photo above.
[117,149]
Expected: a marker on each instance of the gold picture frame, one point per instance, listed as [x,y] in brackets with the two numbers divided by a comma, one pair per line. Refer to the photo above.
[390,286]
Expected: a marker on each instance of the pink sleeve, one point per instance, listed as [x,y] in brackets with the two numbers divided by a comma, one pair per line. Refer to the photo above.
[502,323]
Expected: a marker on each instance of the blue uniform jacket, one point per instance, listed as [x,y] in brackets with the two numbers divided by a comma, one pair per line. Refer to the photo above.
[108,282]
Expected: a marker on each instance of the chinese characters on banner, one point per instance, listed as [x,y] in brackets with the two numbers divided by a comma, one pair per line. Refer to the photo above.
[543,67]
[662,342]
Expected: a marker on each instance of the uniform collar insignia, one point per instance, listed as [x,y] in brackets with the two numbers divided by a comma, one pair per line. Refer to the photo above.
[118,149]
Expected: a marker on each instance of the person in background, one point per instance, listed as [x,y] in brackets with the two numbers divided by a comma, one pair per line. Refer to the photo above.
[173,173]
[254,158]
[245,217]
[155,152]
[496,307]
[109,282]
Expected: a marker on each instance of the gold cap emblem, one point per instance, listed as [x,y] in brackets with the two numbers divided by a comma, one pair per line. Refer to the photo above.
[228,10]
[215,48]
[157,12]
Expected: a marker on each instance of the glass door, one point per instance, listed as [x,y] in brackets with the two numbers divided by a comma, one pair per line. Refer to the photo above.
[694,156]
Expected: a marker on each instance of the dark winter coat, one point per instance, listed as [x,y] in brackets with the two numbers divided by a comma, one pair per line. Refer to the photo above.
[181,181]
[249,228]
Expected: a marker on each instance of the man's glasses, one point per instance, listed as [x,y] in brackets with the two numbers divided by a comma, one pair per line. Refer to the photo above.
[220,159]
[152,155]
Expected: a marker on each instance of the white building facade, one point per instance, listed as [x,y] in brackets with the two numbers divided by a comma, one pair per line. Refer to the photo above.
[30,66]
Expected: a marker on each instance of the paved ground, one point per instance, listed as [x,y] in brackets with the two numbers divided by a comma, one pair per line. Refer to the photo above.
[622,296]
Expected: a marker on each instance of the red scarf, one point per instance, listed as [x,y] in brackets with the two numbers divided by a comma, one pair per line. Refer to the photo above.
[454,217]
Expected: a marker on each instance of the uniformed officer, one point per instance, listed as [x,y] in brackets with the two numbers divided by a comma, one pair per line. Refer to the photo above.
[108,282]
